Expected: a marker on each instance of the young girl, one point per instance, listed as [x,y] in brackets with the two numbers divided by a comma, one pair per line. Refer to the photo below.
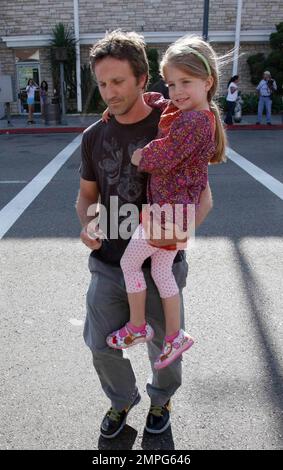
[43,98]
[190,136]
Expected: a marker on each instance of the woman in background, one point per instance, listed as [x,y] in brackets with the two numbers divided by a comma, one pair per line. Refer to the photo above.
[43,98]
[232,95]
[31,89]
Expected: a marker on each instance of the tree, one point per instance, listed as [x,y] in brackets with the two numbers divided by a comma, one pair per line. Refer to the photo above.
[152,55]
[258,63]
[63,38]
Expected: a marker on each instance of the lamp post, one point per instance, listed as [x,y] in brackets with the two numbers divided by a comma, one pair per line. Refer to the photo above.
[205,20]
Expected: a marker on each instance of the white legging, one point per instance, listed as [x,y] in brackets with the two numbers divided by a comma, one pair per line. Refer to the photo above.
[161,266]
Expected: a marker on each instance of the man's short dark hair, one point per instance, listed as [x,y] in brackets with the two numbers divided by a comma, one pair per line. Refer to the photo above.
[121,45]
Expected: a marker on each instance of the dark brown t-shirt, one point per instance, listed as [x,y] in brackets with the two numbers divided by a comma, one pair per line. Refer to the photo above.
[106,159]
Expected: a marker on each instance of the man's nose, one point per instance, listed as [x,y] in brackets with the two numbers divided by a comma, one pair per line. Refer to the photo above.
[109,92]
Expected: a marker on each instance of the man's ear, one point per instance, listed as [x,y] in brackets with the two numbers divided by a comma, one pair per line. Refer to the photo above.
[143,82]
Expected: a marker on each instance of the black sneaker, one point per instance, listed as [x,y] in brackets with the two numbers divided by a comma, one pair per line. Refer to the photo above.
[114,421]
[158,418]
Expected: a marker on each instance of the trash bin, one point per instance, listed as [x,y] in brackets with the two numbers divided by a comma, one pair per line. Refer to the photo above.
[53,112]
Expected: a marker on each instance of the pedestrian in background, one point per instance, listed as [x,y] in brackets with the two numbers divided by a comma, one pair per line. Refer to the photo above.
[31,89]
[43,98]
[232,95]
[265,89]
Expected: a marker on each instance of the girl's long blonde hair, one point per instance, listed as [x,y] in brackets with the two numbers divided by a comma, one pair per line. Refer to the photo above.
[201,64]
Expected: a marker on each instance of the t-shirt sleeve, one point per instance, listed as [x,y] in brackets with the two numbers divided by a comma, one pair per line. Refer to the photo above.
[183,141]
[86,169]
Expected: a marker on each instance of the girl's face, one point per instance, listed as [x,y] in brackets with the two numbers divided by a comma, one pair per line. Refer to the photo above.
[188,93]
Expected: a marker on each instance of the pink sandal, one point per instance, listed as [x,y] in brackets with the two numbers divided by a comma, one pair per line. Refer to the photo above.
[174,349]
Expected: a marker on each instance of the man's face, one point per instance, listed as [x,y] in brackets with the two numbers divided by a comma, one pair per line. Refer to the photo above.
[266,76]
[117,84]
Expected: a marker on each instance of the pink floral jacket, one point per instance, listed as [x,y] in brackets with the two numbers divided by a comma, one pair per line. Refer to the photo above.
[178,159]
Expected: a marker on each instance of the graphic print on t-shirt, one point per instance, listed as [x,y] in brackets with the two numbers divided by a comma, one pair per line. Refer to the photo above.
[128,181]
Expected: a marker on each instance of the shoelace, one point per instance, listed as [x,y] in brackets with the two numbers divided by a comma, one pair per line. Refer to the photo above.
[156,410]
[113,414]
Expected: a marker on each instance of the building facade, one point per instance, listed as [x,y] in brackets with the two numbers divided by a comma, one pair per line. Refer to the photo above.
[26,30]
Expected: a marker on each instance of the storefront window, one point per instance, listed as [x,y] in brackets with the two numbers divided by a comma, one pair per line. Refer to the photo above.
[27,62]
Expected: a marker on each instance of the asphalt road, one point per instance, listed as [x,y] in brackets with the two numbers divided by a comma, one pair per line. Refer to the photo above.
[231,397]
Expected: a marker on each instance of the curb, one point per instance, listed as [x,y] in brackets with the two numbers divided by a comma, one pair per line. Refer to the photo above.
[42,130]
[78,130]
[255,127]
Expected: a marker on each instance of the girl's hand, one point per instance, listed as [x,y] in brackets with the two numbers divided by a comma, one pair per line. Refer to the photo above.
[106,115]
[136,157]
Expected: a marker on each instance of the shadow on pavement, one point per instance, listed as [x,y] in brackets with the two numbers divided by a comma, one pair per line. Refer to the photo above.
[158,441]
[257,300]
[124,441]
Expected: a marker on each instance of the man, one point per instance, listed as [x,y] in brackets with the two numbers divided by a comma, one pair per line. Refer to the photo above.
[120,64]
[265,89]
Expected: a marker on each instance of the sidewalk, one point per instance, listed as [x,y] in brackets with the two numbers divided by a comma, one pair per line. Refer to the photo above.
[74,123]
[78,123]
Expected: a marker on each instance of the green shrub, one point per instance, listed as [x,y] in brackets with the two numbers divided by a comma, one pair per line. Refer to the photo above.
[258,63]
[91,99]
[250,103]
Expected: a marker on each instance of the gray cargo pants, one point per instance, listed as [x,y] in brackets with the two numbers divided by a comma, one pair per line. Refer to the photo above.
[108,310]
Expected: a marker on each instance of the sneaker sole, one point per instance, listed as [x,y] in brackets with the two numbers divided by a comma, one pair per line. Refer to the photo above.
[135,402]
[151,431]
[137,341]
[167,362]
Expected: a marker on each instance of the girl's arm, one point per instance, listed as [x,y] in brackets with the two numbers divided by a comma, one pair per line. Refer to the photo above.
[156,100]
[106,115]
[185,136]
[152,99]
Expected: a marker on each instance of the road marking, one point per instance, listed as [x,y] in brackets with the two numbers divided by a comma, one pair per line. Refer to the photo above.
[14,209]
[75,322]
[13,182]
[257,173]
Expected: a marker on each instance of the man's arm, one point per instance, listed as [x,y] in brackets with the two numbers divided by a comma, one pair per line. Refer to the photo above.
[202,211]
[87,196]
[205,205]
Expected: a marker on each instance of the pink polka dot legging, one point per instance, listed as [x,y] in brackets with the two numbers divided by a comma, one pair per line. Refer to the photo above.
[161,266]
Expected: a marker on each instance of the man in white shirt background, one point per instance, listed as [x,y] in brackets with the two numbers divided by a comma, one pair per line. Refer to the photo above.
[265,89]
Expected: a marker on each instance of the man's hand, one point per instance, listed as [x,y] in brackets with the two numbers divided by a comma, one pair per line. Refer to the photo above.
[90,242]
[136,157]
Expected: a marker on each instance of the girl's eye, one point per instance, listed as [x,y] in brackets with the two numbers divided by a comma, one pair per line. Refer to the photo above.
[170,85]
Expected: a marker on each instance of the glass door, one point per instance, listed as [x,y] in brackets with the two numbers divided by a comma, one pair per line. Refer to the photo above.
[25,71]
